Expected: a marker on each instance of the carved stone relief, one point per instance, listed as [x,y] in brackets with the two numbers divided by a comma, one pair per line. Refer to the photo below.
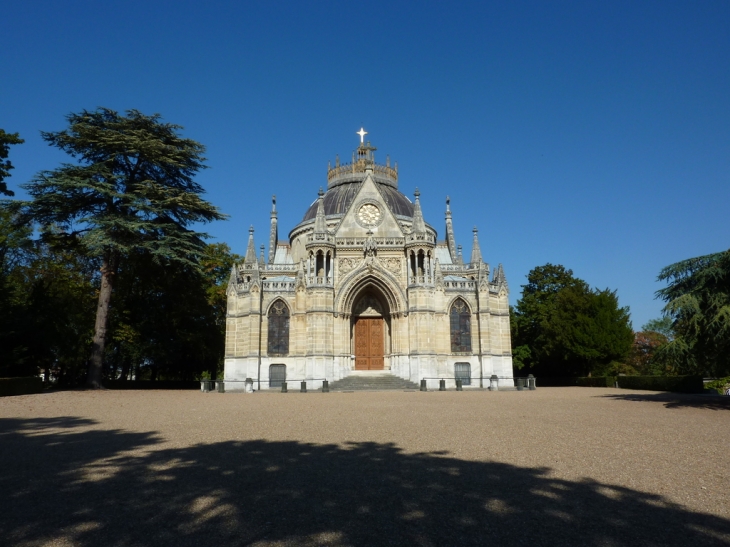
[392,265]
[348,264]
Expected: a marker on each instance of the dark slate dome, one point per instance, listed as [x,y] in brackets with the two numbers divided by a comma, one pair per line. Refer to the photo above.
[337,200]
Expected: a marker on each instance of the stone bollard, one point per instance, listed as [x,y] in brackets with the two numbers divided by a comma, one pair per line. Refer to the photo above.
[221,386]
[423,385]
[325,387]
[459,385]
[442,385]
[248,386]
[283,388]
[520,384]
[531,382]
[493,383]
[304,387]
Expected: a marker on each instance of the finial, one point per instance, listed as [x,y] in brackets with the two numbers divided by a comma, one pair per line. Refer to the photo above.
[320,193]
[362,134]
[448,202]
[417,193]
[387,160]
[337,160]
[250,230]
[475,231]
[273,203]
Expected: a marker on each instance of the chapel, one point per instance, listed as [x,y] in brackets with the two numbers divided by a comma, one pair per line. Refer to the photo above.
[364,284]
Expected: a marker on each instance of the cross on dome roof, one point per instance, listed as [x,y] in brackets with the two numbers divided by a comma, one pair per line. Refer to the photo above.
[362,134]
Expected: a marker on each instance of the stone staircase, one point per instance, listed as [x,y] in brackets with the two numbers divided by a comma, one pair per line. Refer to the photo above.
[372,380]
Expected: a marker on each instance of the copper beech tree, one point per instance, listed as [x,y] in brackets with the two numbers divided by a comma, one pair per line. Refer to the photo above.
[130,190]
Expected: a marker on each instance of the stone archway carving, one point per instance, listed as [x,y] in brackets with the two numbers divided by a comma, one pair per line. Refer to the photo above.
[375,277]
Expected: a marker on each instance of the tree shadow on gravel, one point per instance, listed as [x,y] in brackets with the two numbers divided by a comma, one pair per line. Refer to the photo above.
[677,400]
[61,481]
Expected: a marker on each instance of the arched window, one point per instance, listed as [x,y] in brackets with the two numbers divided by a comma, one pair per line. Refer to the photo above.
[460,326]
[278,329]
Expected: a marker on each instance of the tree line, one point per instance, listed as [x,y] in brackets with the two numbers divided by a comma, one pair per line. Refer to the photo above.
[562,327]
[101,272]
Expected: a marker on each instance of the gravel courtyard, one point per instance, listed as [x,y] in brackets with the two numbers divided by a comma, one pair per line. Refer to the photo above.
[556,466]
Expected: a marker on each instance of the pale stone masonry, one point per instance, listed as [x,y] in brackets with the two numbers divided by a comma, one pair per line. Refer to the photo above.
[364,284]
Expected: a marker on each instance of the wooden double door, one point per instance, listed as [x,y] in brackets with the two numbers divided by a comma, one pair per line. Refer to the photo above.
[369,343]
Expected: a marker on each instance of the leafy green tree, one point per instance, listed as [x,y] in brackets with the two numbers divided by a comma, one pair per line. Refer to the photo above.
[6,139]
[586,331]
[47,301]
[131,191]
[643,357]
[697,299]
[168,321]
[534,307]
[562,327]
[646,356]
[662,325]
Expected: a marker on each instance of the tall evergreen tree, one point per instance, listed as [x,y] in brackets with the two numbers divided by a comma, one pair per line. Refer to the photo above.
[132,190]
[698,301]
[562,327]
[6,139]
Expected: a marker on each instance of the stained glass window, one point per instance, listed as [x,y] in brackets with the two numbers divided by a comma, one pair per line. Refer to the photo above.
[278,329]
[460,327]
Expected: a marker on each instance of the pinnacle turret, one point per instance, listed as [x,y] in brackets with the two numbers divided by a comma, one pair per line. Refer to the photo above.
[419,225]
[274,232]
[476,253]
[450,239]
[250,260]
[320,223]
[500,280]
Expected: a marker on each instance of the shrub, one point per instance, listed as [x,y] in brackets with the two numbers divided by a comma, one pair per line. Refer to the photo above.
[20,386]
[555,381]
[597,381]
[720,385]
[678,384]
[151,384]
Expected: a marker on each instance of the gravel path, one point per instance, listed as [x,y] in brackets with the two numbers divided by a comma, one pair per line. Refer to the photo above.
[556,466]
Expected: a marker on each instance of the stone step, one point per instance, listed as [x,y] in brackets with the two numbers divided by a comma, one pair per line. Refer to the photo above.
[369,381]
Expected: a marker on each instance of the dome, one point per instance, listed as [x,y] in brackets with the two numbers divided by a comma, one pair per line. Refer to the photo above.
[337,200]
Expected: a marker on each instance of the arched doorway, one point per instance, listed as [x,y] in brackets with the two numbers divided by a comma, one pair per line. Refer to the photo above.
[369,332]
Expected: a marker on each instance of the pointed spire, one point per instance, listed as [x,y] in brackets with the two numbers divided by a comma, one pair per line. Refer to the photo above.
[476,253]
[450,239]
[320,223]
[274,232]
[500,279]
[438,275]
[419,226]
[250,259]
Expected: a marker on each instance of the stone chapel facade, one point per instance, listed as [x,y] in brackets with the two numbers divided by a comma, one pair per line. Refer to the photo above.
[363,284]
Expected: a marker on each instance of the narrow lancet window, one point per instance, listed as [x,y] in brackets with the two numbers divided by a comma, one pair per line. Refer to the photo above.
[278,329]
[460,326]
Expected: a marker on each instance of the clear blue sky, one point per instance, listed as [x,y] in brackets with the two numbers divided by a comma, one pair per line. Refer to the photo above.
[590,134]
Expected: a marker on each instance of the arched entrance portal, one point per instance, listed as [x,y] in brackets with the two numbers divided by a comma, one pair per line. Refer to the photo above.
[369,332]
